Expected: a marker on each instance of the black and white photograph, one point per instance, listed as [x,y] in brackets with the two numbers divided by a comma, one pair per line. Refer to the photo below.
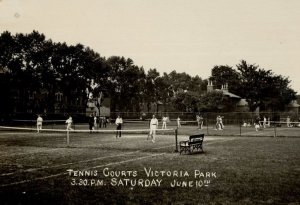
[150,102]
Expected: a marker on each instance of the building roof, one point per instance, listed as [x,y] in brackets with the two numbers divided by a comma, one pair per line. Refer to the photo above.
[242,102]
[293,104]
[229,94]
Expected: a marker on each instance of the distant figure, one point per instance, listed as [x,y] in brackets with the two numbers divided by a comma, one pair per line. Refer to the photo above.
[104,121]
[164,123]
[268,122]
[95,122]
[257,124]
[288,121]
[201,122]
[69,122]
[258,121]
[144,116]
[244,124]
[91,123]
[257,127]
[39,123]
[219,123]
[119,122]
[265,122]
[178,122]
[99,121]
[153,127]
[198,121]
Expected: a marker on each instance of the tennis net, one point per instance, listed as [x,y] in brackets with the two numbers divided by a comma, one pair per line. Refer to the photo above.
[125,139]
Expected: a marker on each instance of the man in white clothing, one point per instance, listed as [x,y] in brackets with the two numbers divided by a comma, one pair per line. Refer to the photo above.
[178,122]
[164,123]
[119,122]
[39,123]
[153,127]
[69,123]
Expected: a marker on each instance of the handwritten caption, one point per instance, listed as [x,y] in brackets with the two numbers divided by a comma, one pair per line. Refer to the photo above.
[147,177]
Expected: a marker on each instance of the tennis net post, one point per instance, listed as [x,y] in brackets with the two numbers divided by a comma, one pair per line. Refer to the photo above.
[68,138]
[176,140]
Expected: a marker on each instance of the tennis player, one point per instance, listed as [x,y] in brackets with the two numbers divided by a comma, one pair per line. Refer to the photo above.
[119,122]
[39,123]
[178,122]
[153,127]
[91,123]
[69,122]
[164,122]
[200,122]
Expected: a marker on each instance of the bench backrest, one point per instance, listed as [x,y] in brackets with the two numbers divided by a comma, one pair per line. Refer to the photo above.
[196,138]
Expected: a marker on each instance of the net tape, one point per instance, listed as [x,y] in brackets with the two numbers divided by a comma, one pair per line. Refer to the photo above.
[84,131]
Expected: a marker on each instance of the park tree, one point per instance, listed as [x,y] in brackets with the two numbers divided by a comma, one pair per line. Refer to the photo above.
[23,57]
[211,101]
[74,68]
[221,75]
[262,88]
[197,85]
[93,69]
[126,83]
[163,90]
[7,61]
[186,91]
[134,77]
[278,95]
[33,64]
[179,81]
[186,101]
[150,88]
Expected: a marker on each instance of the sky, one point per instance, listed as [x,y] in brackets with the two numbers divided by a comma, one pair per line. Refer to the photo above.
[189,36]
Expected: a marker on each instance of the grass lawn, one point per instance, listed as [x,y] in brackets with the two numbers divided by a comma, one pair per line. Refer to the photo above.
[232,170]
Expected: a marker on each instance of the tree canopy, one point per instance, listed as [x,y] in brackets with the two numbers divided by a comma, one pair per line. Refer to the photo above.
[260,87]
[30,63]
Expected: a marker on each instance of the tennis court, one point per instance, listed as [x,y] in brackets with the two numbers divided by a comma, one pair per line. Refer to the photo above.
[99,168]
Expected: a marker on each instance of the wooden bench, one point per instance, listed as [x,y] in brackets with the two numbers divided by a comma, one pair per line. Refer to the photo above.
[194,142]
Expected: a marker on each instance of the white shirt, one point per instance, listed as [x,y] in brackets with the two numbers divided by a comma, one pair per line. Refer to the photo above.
[39,120]
[119,121]
[69,121]
[154,121]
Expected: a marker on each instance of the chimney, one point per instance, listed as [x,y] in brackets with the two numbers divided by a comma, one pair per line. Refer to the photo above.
[210,86]
[225,87]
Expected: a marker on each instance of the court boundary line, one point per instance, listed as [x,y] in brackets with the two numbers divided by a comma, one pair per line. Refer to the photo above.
[98,158]
[64,173]
[74,131]
[65,164]
[78,162]
[23,153]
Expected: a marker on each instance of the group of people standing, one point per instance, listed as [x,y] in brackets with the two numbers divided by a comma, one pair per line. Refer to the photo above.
[291,123]
[95,122]
[219,123]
